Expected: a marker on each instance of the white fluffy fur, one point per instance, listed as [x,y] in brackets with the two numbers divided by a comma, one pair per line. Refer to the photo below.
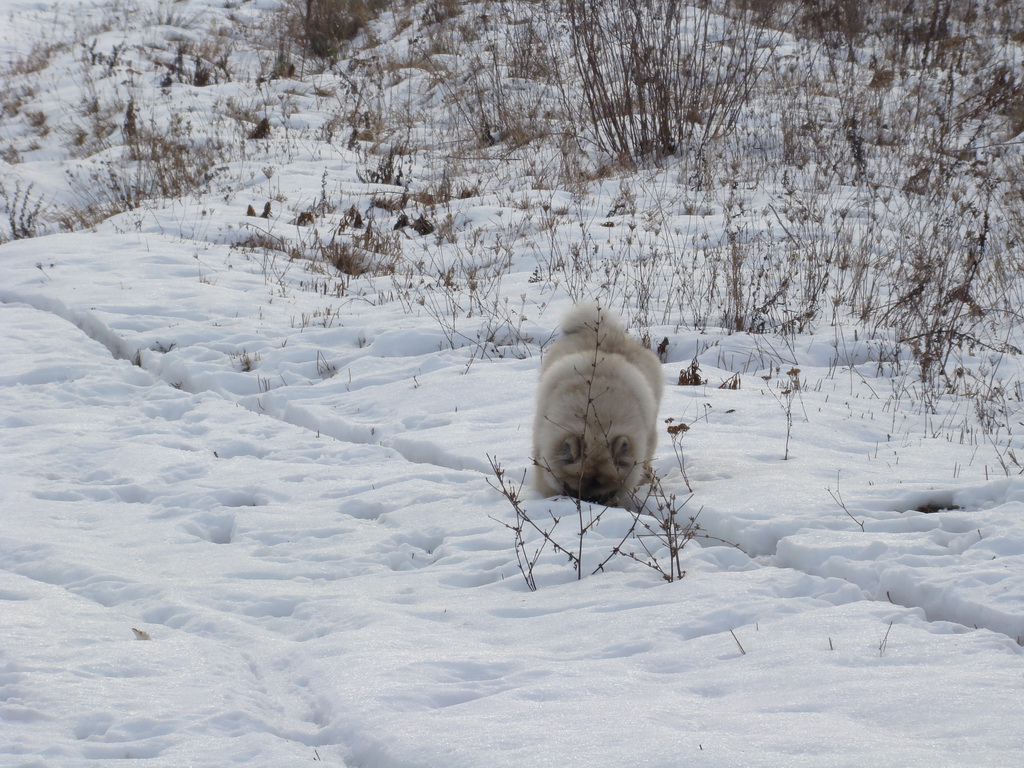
[595,429]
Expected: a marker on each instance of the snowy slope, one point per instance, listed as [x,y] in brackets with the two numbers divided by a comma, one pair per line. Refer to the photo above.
[320,572]
[249,518]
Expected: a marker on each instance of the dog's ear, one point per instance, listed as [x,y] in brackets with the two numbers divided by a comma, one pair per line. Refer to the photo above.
[620,448]
[569,453]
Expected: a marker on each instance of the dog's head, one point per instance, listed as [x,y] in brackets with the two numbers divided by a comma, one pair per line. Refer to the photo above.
[597,468]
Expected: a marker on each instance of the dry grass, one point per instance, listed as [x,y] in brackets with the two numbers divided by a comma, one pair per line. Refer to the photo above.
[322,28]
[811,165]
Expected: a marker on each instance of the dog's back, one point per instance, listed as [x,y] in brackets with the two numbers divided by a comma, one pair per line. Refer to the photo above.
[589,327]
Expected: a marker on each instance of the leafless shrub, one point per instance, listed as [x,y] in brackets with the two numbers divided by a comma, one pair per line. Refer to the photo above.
[659,538]
[192,68]
[369,250]
[389,169]
[323,27]
[466,302]
[24,211]
[661,76]
[36,60]
[493,108]
[245,361]
[941,302]
[690,377]
[440,11]
[161,161]
[501,92]
[654,533]
[262,241]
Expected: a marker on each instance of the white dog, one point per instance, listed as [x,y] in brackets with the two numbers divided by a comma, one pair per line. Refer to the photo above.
[595,429]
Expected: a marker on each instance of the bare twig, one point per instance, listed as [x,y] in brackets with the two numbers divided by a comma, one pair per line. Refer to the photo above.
[837,497]
[885,640]
[738,643]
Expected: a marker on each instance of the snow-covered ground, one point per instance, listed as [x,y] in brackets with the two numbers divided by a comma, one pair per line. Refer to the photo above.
[248,515]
